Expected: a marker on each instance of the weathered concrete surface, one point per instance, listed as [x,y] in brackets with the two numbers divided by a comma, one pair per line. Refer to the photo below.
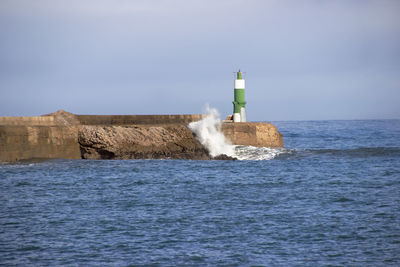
[28,121]
[38,142]
[136,119]
[259,134]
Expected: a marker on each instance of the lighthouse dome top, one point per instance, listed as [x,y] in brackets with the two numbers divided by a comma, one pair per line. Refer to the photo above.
[239,75]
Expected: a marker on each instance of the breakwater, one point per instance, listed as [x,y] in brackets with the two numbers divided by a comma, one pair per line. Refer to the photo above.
[66,135]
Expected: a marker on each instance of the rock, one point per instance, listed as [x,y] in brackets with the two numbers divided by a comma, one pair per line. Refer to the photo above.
[224,157]
[229,118]
[140,142]
[63,117]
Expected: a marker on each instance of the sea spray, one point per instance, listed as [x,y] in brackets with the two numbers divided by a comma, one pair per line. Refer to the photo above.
[260,153]
[208,132]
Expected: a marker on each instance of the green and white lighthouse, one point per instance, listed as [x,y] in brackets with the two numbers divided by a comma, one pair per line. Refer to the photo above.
[239,104]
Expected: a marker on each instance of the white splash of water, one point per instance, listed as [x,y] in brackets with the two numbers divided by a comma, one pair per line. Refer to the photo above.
[258,153]
[208,132]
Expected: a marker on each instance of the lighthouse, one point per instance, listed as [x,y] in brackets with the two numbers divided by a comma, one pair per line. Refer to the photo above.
[239,104]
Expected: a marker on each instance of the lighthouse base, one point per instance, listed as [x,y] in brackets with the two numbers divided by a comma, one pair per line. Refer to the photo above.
[236,117]
[259,134]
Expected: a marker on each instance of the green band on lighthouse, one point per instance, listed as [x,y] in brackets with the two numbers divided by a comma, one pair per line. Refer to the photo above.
[239,100]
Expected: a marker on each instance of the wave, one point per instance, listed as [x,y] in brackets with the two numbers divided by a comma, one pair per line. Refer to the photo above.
[208,132]
[264,153]
[259,153]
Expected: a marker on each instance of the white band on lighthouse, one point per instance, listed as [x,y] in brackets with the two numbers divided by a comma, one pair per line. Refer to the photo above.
[236,117]
[239,84]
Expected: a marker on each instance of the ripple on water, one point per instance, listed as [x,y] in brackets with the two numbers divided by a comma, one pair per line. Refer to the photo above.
[320,202]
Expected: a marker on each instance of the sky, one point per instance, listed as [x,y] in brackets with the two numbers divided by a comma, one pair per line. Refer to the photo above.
[303,59]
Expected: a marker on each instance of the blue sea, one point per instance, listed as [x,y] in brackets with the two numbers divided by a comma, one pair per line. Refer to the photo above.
[330,198]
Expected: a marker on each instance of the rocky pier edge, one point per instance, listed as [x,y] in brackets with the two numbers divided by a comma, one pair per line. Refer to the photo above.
[69,136]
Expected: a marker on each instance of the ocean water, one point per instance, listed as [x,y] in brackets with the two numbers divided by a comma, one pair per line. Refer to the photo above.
[330,198]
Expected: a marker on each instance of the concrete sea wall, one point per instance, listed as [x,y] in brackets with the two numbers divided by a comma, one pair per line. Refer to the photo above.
[38,142]
[66,135]
[259,134]
[28,121]
[118,120]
